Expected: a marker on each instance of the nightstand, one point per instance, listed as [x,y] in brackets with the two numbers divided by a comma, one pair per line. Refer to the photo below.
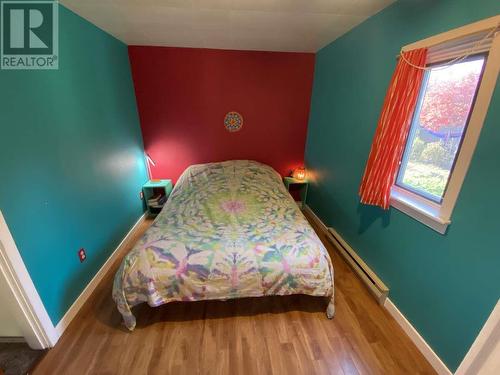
[156,193]
[292,184]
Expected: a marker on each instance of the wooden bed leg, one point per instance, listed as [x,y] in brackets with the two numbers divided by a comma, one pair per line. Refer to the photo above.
[330,310]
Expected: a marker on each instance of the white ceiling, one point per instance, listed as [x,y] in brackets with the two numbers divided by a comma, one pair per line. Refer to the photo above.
[266,25]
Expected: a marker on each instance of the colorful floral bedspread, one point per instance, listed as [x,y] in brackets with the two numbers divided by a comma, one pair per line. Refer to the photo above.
[228,230]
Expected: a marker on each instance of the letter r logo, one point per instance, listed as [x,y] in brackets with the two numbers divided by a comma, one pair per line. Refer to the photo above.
[27,28]
[29,34]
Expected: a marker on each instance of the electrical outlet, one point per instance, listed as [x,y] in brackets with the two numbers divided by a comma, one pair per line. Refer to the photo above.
[141,195]
[82,255]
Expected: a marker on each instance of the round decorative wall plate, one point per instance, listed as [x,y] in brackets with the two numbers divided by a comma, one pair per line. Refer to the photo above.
[233,121]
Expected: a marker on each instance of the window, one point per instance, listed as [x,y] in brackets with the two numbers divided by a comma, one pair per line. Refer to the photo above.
[450,111]
[438,127]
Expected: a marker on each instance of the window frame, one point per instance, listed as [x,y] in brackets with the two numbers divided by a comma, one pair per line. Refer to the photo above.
[438,215]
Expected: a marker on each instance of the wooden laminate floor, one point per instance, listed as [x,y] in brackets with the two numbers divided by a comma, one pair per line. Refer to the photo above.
[275,335]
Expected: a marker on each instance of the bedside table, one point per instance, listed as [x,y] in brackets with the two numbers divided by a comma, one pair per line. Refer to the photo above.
[301,185]
[159,189]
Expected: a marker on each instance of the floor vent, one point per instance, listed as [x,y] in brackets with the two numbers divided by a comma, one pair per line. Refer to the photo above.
[374,284]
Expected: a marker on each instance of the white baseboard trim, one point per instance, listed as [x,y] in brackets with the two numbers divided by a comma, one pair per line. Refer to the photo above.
[418,340]
[412,333]
[89,289]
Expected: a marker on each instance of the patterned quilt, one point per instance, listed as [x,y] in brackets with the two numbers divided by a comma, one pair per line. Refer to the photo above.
[228,230]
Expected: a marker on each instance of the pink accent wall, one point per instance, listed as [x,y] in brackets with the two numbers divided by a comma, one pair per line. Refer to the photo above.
[183,95]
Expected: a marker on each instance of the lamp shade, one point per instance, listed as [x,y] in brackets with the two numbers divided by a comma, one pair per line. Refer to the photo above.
[149,162]
[299,173]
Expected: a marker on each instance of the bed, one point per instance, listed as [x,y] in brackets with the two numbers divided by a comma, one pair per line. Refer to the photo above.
[228,230]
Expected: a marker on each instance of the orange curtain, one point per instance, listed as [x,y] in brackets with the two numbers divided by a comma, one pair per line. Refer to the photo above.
[392,130]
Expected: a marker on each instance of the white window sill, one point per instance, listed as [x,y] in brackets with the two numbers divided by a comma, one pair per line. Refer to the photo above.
[419,208]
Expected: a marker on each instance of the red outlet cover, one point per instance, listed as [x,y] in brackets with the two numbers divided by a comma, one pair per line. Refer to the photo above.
[81,254]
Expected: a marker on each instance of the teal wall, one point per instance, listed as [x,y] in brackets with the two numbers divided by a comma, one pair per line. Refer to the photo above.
[445,285]
[71,164]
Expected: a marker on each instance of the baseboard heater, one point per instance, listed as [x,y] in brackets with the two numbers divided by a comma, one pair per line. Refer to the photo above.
[12,340]
[374,284]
